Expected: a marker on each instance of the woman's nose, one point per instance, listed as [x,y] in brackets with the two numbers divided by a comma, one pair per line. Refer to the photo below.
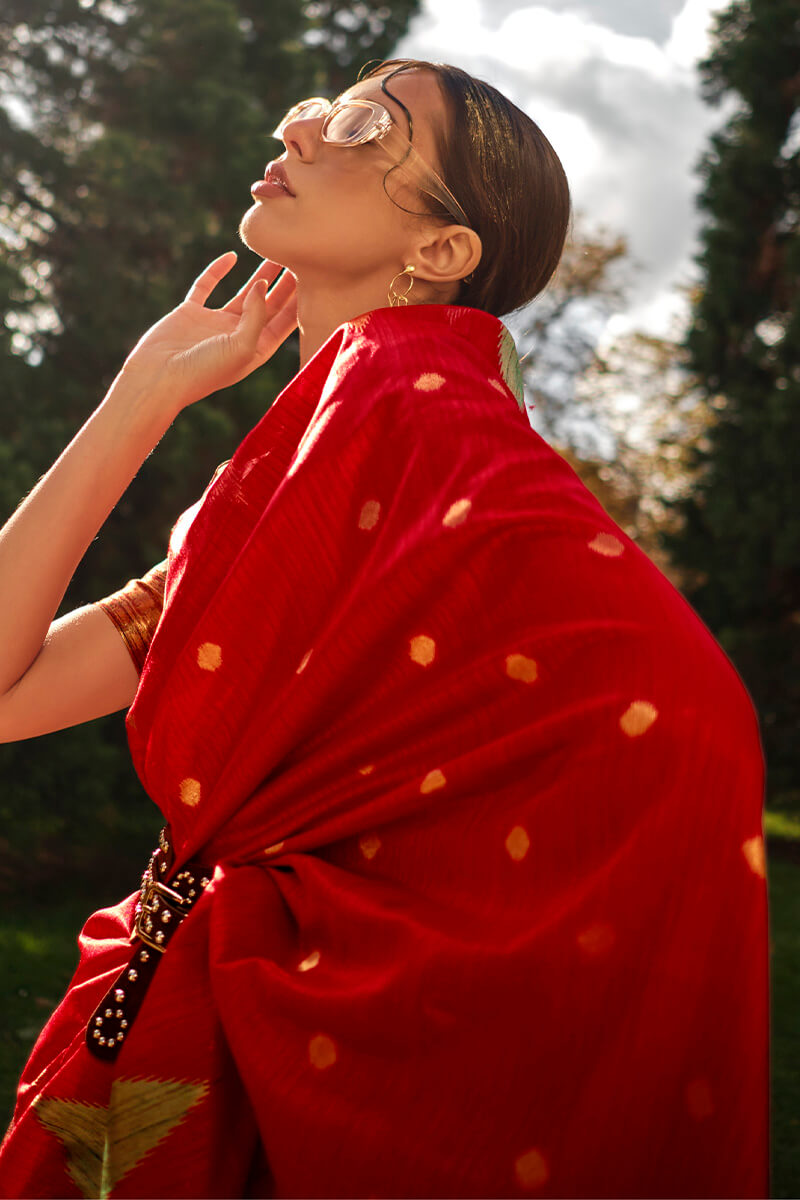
[302,136]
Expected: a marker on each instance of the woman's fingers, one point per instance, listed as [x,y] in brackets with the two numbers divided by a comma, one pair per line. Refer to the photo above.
[208,278]
[216,270]
[281,326]
[266,320]
[280,308]
[282,294]
[265,270]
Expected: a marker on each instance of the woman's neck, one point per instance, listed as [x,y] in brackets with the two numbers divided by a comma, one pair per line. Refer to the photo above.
[322,310]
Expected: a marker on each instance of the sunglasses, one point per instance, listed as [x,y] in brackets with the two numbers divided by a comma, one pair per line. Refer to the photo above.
[354,122]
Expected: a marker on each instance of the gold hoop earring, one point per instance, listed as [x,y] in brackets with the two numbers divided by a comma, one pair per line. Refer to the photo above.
[397,298]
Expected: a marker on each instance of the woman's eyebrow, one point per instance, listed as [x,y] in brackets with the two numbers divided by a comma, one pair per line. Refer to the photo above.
[394,110]
[398,116]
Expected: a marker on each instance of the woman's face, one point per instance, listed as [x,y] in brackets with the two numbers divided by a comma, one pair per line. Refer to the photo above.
[340,226]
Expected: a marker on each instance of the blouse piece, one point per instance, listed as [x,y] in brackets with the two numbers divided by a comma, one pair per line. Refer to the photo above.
[484,802]
[136,610]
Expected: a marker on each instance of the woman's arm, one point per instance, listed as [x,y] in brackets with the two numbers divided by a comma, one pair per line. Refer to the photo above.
[79,673]
[191,352]
[83,671]
[46,538]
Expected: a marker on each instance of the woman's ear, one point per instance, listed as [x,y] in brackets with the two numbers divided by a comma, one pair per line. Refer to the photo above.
[448,253]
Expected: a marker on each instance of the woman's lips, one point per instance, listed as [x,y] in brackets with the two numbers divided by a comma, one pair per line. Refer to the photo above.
[276,174]
[269,187]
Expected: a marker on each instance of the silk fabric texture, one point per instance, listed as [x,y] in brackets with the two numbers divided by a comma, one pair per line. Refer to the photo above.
[484,796]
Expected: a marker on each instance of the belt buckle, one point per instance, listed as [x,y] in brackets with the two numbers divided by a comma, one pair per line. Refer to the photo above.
[152,895]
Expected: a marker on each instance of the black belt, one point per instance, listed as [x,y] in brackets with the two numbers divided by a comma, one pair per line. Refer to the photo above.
[163,903]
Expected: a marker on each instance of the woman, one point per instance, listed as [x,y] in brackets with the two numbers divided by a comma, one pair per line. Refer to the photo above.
[462,891]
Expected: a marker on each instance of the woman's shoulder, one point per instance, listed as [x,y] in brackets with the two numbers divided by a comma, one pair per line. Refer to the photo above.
[434,348]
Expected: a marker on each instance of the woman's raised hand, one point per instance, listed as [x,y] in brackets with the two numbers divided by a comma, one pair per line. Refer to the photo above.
[194,351]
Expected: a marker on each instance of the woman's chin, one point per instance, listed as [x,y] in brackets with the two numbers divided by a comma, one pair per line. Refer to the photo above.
[256,237]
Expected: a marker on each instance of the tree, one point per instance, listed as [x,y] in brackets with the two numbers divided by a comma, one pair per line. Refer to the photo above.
[739,535]
[130,131]
[560,333]
[625,415]
[642,391]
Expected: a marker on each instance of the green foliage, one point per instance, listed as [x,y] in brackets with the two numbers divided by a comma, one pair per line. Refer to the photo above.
[124,173]
[740,539]
[784,908]
[72,801]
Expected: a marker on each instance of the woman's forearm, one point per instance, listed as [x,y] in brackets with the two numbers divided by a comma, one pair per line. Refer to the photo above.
[48,535]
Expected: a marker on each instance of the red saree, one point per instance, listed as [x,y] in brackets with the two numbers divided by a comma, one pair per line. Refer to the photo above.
[484,797]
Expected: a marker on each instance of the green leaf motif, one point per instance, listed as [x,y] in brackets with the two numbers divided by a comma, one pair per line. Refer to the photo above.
[510,367]
[104,1144]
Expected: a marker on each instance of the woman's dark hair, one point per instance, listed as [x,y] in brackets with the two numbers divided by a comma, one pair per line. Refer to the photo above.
[509,181]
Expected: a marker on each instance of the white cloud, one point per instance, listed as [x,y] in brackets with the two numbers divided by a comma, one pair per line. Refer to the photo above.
[538,38]
[689,40]
[638,18]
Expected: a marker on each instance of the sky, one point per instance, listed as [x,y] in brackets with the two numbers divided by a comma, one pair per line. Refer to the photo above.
[613,85]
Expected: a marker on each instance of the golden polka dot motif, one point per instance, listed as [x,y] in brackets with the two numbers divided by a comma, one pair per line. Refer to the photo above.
[531,1170]
[518,843]
[190,792]
[369,845]
[699,1100]
[310,962]
[457,513]
[422,650]
[637,718]
[303,663]
[607,545]
[753,851]
[209,656]
[370,514]
[276,849]
[429,383]
[322,1051]
[432,782]
[366,770]
[596,939]
[519,666]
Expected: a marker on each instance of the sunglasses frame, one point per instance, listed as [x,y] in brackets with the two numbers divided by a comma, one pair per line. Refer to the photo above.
[382,128]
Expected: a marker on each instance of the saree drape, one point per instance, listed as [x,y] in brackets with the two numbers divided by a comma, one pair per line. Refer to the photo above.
[484,799]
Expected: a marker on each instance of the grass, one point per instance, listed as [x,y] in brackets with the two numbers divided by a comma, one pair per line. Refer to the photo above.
[782,825]
[784,899]
[39,953]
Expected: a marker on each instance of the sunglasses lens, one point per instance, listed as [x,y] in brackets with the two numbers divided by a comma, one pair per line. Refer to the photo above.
[305,110]
[311,109]
[348,125]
